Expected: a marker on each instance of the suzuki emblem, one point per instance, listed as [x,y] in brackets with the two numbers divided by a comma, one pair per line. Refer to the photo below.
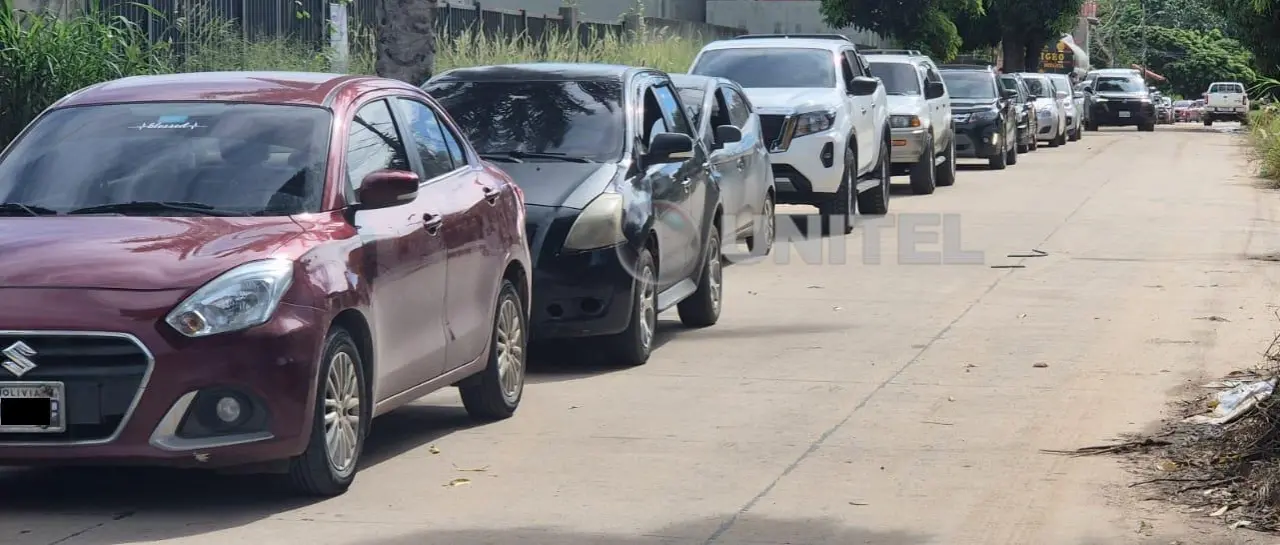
[17,359]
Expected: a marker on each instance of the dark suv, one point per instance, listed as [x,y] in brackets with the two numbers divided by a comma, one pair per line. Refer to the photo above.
[1120,100]
[985,115]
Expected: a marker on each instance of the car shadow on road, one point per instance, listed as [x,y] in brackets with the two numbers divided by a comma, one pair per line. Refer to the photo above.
[760,530]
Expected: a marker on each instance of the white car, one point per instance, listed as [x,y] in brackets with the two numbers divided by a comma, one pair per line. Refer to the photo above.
[1226,101]
[1073,108]
[919,117]
[1050,113]
[824,118]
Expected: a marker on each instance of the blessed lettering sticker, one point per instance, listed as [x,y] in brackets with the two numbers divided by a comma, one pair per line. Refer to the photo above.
[169,122]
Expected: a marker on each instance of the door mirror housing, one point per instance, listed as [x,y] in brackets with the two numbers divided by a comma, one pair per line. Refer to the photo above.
[728,134]
[387,188]
[934,89]
[1009,94]
[1087,88]
[863,86]
[669,147]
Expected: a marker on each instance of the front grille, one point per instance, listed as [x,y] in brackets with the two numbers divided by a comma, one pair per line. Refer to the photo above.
[103,375]
[771,128]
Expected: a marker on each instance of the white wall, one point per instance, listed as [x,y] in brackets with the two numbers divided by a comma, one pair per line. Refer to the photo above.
[608,11]
[782,17]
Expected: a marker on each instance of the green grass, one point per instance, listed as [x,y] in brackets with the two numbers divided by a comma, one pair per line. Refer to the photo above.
[1264,135]
[44,58]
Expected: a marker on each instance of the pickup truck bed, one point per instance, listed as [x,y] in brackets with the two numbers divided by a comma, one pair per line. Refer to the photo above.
[1226,101]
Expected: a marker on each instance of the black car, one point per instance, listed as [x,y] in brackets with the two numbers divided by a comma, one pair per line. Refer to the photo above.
[1120,100]
[985,115]
[623,211]
[1025,105]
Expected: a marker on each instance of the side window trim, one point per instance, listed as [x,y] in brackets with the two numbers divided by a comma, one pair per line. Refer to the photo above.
[416,158]
[679,111]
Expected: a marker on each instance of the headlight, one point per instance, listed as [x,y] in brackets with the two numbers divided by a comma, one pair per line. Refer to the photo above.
[241,298]
[1099,99]
[904,121]
[598,226]
[986,115]
[813,122]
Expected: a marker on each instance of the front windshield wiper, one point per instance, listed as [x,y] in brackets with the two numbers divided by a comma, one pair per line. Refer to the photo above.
[11,208]
[516,154]
[156,206]
[505,158]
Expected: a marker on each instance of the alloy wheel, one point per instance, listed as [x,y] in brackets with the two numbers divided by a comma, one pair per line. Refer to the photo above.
[770,227]
[648,307]
[342,414]
[510,346]
[715,276]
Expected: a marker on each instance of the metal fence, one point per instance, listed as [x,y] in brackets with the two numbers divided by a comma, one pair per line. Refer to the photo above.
[306,20]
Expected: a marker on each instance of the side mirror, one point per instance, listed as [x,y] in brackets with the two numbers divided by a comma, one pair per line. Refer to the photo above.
[863,86]
[1009,94]
[728,134]
[1078,94]
[669,147]
[1061,95]
[1087,88]
[387,188]
[934,89]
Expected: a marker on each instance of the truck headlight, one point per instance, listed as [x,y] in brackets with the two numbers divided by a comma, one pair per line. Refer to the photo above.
[904,121]
[598,226]
[986,115]
[241,298]
[814,122]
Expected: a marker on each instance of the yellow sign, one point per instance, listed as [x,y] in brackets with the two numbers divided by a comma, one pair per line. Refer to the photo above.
[1057,59]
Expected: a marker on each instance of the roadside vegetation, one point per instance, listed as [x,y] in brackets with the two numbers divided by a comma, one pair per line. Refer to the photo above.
[43,58]
[1264,135]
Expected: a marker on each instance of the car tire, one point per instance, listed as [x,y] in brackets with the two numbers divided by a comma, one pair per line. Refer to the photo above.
[495,392]
[1074,136]
[1062,139]
[702,309]
[765,231]
[875,201]
[633,346]
[839,209]
[1024,148]
[924,178]
[1208,122]
[998,161]
[341,377]
[1011,156]
[945,174]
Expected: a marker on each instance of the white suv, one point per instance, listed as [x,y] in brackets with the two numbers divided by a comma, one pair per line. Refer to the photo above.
[920,117]
[824,118]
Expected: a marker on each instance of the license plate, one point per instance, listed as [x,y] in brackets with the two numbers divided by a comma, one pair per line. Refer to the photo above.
[1124,114]
[32,407]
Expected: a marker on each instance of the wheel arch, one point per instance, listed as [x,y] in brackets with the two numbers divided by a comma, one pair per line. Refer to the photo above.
[355,323]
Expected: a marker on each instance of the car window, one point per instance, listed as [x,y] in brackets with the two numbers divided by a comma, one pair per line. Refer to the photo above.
[963,84]
[671,110]
[932,75]
[739,111]
[373,143]
[425,130]
[243,158]
[856,64]
[583,118]
[1226,88]
[452,139]
[1039,87]
[899,78]
[692,98]
[759,67]
[652,118]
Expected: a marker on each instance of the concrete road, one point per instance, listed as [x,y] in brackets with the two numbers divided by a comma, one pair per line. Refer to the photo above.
[836,404]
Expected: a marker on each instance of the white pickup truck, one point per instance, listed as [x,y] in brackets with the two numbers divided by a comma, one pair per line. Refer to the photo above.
[1226,101]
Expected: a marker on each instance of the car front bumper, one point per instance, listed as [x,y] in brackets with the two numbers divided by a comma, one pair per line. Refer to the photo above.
[808,169]
[583,294]
[135,390]
[1113,113]
[908,144]
[979,139]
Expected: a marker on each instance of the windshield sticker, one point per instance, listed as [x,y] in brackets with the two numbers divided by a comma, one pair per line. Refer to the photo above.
[169,122]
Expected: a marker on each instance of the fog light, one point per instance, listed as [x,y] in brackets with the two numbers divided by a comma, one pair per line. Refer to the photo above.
[228,410]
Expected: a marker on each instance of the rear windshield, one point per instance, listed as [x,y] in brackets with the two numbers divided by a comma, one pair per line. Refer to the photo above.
[759,67]
[246,159]
[583,119]
[899,78]
[1226,88]
[964,84]
[1039,87]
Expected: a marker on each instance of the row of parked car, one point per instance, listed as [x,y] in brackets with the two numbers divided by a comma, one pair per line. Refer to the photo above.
[244,269]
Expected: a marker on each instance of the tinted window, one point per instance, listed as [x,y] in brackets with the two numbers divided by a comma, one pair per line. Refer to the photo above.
[428,137]
[455,147]
[899,78]
[932,75]
[1120,85]
[1226,88]
[573,118]
[980,85]
[374,143]
[692,98]
[756,67]
[739,112]
[1039,87]
[243,158]
[671,110]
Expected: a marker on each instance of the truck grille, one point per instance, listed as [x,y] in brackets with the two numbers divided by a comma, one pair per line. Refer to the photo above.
[103,374]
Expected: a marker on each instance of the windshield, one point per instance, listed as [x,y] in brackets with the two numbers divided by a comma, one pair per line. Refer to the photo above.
[1120,85]
[692,99]
[969,84]
[1226,88]
[757,67]
[581,119]
[1039,87]
[1061,84]
[899,78]
[236,158]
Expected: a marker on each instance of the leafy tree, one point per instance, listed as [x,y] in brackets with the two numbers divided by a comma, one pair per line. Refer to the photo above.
[918,24]
[1191,59]
[1256,24]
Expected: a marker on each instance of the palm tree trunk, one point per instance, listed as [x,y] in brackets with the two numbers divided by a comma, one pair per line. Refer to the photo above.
[406,40]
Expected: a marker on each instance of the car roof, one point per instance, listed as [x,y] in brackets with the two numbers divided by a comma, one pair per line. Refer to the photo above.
[299,88]
[895,58]
[779,43]
[968,68]
[540,71]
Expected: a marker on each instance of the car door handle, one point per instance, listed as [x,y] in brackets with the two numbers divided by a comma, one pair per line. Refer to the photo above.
[742,163]
[686,181]
[491,195]
[432,222]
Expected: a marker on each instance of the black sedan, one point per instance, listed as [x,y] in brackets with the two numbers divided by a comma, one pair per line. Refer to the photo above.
[985,116]
[1025,104]
[623,209]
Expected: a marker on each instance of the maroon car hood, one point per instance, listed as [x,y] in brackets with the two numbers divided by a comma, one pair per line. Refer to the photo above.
[132,253]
